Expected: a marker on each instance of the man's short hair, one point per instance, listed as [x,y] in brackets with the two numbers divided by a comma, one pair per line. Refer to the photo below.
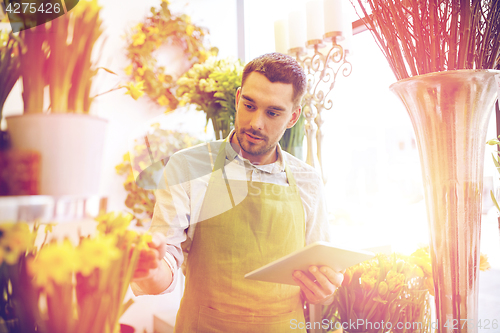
[278,67]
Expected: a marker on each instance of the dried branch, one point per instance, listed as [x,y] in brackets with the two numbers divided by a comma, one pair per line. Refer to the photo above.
[424,36]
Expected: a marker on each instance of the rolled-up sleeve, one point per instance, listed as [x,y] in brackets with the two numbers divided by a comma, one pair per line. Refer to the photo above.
[171,215]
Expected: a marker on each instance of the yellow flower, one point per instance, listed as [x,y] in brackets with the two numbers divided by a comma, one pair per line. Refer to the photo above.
[98,253]
[54,264]
[128,69]
[111,223]
[141,70]
[383,288]
[89,6]
[484,265]
[153,30]
[163,100]
[138,38]
[15,240]
[367,282]
[161,77]
[135,90]
[189,29]
[395,281]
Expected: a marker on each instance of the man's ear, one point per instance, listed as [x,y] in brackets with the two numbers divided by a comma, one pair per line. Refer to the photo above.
[237,99]
[295,116]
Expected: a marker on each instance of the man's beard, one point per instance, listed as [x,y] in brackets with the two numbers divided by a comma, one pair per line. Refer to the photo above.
[251,148]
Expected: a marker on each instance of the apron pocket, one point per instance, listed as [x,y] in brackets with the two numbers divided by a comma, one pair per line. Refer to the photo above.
[212,321]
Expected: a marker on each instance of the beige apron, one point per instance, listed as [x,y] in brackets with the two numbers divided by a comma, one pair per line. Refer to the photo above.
[268,224]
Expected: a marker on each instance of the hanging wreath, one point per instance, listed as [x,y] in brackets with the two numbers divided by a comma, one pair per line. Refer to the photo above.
[159,28]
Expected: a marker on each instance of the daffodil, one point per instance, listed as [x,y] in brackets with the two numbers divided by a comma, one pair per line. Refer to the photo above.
[55,263]
[141,70]
[189,29]
[138,38]
[383,288]
[15,239]
[135,90]
[484,265]
[112,223]
[367,282]
[163,100]
[97,253]
[128,69]
[395,281]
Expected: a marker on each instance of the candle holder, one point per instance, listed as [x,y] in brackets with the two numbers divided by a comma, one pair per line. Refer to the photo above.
[321,71]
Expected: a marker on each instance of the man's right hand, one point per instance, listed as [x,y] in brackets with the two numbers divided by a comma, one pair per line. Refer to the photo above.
[152,274]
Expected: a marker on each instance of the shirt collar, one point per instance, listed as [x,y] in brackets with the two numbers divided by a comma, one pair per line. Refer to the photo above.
[276,167]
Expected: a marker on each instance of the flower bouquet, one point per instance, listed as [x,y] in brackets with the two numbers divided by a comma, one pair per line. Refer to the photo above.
[376,296]
[212,87]
[387,293]
[160,145]
[61,287]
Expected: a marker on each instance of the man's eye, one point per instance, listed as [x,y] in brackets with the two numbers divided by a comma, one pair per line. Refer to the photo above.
[248,106]
[272,114]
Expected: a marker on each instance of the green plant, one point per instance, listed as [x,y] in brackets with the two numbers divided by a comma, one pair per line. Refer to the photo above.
[212,86]
[293,138]
[419,37]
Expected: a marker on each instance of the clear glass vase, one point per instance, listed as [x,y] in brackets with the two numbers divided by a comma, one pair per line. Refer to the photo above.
[450,112]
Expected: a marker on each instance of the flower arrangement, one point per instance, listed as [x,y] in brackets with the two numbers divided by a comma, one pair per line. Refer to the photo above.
[212,86]
[62,287]
[162,144]
[157,29]
[419,37]
[47,58]
[387,293]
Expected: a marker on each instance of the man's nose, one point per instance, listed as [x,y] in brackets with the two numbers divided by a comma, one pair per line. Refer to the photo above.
[257,121]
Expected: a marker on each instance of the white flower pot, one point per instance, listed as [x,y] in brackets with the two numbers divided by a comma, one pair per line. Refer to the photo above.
[71,147]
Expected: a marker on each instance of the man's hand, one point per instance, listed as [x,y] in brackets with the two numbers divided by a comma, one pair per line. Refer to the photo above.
[320,290]
[151,259]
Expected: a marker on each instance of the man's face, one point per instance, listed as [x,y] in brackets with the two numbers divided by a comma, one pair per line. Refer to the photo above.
[264,110]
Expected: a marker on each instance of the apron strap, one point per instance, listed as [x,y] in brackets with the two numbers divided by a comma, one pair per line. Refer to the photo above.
[221,157]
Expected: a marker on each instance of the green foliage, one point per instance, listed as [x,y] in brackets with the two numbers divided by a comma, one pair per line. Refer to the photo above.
[294,137]
[212,86]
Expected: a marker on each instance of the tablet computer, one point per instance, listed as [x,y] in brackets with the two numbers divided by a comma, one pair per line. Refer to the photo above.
[317,254]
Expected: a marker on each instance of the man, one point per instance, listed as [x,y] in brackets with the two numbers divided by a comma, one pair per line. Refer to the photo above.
[255,205]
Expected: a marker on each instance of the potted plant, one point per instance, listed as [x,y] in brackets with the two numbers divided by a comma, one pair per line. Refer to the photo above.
[57,55]
[443,53]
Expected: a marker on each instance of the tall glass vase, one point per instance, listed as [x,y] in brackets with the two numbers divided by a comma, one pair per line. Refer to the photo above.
[450,112]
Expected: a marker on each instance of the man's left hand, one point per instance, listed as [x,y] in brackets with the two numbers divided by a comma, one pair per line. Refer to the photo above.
[321,289]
